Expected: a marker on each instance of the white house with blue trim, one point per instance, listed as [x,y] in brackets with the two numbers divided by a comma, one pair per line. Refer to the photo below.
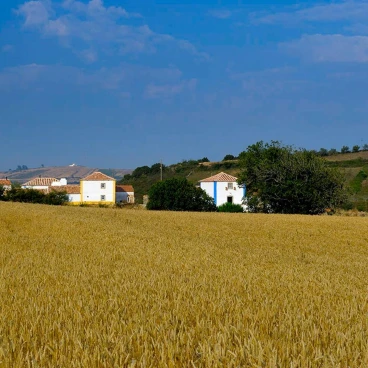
[223,188]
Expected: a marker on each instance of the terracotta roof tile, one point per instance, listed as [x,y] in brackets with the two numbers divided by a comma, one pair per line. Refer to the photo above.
[98,176]
[124,188]
[5,182]
[221,177]
[69,189]
[44,182]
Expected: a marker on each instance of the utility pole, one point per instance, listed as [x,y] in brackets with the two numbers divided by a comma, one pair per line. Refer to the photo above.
[161,169]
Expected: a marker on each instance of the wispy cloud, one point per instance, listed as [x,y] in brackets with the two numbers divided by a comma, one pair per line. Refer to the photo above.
[169,90]
[269,82]
[36,13]
[99,27]
[220,13]
[349,10]
[329,48]
[125,80]
[7,48]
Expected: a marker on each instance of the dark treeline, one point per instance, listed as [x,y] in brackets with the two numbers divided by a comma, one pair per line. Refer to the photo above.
[33,196]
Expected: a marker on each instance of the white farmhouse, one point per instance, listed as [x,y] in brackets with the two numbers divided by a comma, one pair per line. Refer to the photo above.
[124,194]
[223,188]
[44,183]
[5,183]
[73,192]
[98,188]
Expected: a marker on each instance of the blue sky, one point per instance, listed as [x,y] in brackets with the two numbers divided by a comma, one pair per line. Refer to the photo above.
[122,84]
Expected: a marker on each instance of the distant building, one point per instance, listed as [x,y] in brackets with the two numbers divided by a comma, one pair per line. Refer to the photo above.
[73,192]
[98,188]
[95,188]
[223,188]
[44,183]
[124,194]
[5,183]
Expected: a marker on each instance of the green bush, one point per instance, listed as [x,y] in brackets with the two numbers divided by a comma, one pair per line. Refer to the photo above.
[2,193]
[230,207]
[179,195]
[36,196]
[356,184]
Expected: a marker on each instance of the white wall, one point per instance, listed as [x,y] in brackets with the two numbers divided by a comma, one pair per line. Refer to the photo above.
[35,187]
[208,187]
[59,183]
[236,193]
[220,194]
[91,191]
[123,196]
[74,197]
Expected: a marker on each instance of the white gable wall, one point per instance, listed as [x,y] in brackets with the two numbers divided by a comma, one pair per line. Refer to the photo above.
[123,197]
[91,191]
[220,192]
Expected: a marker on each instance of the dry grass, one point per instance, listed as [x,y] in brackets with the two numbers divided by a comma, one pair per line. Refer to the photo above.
[348,156]
[93,287]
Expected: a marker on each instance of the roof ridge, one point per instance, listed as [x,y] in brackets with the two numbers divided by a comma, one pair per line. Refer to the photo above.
[220,177]
[98,176]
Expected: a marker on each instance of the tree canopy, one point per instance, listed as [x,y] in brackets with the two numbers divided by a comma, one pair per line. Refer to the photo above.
[280,179]
[179,195]
[229,158]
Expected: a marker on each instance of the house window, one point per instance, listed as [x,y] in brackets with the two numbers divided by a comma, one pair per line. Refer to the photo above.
[229,199]
[103,198]
[103,185]
[230,185]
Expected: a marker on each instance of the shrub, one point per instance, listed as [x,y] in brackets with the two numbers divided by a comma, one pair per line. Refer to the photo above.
[2,193]
[356,148]
[229,157]
[230,207]
[36,196]
[179,195]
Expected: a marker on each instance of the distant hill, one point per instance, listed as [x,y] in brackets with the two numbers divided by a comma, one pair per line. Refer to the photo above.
[353,165]
[72,173]
[144,177]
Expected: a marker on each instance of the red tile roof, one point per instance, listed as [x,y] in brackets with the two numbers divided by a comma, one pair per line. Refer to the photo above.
[124,188]
[221,177]
[69,189]
[5,182]
[44,182]
[98,176]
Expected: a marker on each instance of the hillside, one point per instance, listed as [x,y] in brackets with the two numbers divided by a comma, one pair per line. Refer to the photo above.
[144,177]
[353,165]
[72,173]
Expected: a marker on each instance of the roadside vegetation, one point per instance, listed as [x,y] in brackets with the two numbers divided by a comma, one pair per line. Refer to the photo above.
[86,287]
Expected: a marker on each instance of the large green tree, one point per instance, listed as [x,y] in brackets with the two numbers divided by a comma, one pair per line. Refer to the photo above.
[179,195]
[280,179]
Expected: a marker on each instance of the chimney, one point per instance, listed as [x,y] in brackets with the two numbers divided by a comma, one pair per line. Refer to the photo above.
[6,178]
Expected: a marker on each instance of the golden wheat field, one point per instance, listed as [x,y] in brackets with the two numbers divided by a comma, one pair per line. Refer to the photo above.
[95,287]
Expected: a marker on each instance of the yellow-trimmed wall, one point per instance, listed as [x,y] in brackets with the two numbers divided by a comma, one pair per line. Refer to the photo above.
[81,190]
